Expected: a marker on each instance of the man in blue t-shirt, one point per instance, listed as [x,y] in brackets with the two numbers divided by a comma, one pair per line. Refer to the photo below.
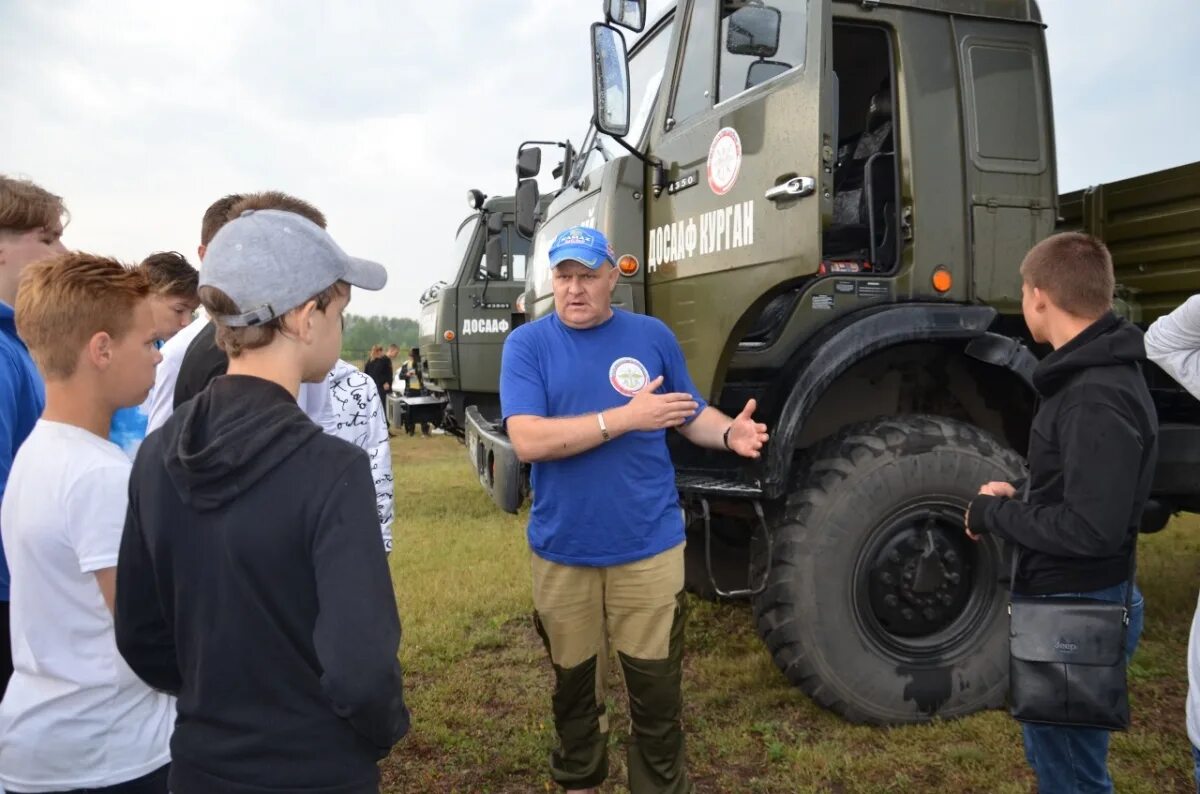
[31,227]
[587,395]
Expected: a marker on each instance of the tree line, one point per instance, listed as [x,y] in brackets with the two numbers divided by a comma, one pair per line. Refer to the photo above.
[361,333]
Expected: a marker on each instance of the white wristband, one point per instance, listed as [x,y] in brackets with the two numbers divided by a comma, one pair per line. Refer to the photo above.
[603,427]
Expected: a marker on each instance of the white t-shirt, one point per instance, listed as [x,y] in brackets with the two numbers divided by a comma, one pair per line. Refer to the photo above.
[74,715]
[356,415]
[161,402]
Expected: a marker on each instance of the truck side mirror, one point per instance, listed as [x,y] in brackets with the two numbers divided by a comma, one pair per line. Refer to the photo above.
[762,71]
[629,14]
[527,205]
[754,30]
[493,256]
[529,162]
[610,81]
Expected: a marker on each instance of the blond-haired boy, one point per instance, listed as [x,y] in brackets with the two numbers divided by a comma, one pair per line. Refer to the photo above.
[76,717]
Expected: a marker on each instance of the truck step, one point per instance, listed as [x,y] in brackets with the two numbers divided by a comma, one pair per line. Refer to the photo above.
[711,484]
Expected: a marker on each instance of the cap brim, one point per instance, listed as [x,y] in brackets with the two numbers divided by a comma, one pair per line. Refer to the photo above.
[578,253]
[365,274]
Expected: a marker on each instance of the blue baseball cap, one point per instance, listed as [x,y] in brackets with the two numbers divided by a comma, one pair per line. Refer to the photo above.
[584,245]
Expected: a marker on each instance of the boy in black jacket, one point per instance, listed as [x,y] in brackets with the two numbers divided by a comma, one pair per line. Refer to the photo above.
[251,581]
[1092,453]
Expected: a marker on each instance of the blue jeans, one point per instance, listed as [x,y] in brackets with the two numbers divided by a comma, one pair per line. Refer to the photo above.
[1075,760]
[1196,760]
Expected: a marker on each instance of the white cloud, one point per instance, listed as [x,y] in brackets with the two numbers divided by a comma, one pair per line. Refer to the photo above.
[383,114]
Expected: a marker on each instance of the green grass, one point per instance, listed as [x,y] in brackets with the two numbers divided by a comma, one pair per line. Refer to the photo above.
[478,682]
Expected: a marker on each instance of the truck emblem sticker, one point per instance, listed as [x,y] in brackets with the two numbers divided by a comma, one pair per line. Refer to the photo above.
[484,326]
[724,161]
[627,376]
[719,230]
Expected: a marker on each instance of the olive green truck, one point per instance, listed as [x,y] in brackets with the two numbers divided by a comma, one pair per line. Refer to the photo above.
[827,202]
[464,322]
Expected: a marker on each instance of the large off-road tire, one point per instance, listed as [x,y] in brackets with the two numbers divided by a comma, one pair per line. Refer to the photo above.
[852,614]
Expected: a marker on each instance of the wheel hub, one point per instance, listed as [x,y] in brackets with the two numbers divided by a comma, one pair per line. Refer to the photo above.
[919,578]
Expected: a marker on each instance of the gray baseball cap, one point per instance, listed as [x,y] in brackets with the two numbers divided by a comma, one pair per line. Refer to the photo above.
[269,262]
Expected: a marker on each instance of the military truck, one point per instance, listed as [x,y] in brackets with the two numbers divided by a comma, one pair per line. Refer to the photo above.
[828,203]
[463,324]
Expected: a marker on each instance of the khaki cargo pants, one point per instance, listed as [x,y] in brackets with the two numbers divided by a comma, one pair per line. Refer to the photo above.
[638,607]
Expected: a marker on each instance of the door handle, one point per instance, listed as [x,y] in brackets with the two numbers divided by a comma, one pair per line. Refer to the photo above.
[796,187]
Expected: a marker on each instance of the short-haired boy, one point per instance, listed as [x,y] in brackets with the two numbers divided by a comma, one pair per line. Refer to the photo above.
[76,717]
[1092,452]
[252,580]
[31,227]
[174,296]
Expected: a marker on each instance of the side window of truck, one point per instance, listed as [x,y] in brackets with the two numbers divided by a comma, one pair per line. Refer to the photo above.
[738,73]
[518,253]
[693,88]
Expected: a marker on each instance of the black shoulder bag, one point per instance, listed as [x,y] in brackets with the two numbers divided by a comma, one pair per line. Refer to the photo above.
[1067,658]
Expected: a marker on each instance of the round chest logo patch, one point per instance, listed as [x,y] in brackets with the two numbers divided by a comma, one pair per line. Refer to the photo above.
[724,161]
[628,376]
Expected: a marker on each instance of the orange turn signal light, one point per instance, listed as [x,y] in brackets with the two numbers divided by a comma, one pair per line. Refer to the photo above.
[942,280]
[628,265]
[448,336]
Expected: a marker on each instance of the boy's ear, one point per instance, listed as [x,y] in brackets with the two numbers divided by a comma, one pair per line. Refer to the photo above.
[100,350]
[301,320]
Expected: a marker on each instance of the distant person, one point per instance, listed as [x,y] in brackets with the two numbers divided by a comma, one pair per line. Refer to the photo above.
[173,300]
[379,369]
[1173,343]
[281,643]
[161,402]
[358,417]
[76,718]
[31,227]
[410,373]
[204,360]
[588,394]
[414,386]
[1092,452]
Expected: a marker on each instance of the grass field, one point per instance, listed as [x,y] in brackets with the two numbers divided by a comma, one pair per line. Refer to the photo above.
[478,683]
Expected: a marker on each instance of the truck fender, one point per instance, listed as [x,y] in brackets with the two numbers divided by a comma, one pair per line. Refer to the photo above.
[1004,352]
[828,355]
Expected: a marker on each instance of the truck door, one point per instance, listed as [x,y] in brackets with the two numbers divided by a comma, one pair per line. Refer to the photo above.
[746,135]
[486,314]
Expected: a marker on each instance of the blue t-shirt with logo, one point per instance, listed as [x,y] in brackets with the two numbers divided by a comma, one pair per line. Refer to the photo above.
[615,503]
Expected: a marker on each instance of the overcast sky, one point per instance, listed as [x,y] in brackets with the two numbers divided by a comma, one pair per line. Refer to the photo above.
[384,113]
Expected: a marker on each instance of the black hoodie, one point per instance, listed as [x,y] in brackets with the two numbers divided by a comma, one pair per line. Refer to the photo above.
[1092,452]
[252,585]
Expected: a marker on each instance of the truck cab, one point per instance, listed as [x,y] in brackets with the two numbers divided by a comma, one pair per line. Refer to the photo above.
[463,323]
[829,201]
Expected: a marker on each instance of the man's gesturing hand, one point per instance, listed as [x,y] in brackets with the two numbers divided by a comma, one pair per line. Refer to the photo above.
[746,437]
[650,411]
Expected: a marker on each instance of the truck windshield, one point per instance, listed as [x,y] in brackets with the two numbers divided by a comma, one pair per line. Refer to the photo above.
[646,66]
[462,245]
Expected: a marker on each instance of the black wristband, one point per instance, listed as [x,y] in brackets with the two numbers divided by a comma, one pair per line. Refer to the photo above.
[725,438]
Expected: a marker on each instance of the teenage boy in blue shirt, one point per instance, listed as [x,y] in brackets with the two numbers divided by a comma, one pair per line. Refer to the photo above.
[31,227]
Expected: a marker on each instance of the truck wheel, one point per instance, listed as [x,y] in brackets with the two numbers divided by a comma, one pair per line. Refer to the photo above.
[878,605]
